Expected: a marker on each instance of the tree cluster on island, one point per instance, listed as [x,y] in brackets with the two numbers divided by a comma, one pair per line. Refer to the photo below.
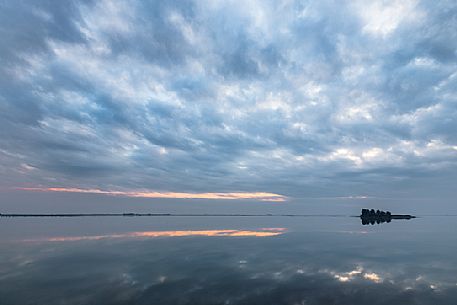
[372,216]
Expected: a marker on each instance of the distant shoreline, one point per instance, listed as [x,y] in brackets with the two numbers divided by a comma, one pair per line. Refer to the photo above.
[164,215]
[24,215]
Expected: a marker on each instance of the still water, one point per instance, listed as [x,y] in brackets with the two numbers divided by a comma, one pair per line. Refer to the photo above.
[227,260]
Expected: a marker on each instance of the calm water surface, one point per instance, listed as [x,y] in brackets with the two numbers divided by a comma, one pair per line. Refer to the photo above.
[227,260]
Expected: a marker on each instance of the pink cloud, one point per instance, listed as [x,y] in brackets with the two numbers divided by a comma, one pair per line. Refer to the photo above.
[175,195]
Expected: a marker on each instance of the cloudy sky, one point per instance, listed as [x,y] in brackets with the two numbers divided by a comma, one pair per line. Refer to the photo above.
[239,99]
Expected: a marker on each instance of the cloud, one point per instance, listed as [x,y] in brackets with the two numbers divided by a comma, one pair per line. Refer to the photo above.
[211,97]
[149,194]
[382,18]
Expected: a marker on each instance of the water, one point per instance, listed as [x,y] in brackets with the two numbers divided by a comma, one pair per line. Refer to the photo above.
[227,260]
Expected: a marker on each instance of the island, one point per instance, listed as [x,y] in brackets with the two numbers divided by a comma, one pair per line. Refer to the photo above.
[372,216]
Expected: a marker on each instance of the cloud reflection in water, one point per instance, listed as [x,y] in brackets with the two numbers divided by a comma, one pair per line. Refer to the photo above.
[314,263]
[264,232]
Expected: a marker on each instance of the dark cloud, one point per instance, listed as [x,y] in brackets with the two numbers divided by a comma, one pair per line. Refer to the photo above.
[26,25]
[217,96]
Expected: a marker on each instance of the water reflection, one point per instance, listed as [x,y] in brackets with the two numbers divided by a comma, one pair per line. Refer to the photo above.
[372,221]
[265,232]
[357,273]
[309,262]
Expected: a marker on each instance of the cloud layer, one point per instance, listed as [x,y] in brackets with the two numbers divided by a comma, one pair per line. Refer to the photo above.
[297,98]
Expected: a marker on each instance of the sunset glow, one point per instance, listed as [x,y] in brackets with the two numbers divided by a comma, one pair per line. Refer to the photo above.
[167,195]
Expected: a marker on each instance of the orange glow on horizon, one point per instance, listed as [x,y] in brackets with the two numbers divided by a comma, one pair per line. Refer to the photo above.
[152,234]
[167,195]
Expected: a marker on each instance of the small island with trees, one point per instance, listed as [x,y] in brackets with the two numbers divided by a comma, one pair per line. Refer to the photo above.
[372,216]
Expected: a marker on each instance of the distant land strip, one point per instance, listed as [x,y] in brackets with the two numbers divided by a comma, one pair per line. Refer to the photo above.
[164,215]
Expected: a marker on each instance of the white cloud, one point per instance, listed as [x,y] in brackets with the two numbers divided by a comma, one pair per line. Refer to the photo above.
[381,18]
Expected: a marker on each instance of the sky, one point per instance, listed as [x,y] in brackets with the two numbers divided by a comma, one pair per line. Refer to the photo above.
[228,100]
